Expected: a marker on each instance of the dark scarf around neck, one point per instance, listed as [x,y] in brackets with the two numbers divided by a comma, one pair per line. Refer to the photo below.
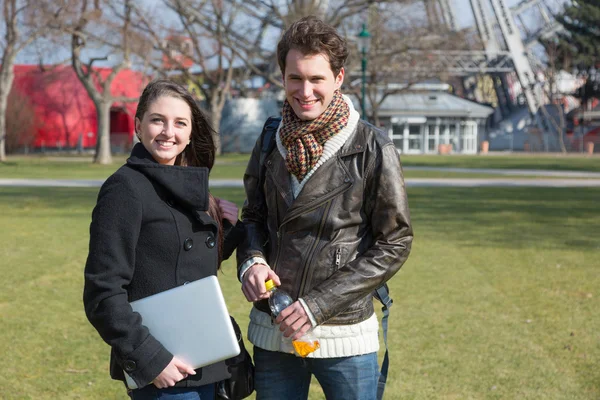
[304,140]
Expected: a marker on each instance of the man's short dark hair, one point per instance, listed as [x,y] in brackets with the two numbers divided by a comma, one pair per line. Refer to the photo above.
[312,36]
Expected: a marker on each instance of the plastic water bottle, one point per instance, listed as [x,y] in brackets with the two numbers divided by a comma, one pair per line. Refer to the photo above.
[279,299]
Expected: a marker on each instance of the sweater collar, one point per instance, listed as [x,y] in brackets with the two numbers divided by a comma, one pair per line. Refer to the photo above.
[188,185]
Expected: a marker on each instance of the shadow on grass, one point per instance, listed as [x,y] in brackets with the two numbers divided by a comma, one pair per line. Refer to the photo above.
[510,217]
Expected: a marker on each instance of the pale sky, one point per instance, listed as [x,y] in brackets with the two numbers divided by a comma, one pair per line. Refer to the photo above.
[462,11]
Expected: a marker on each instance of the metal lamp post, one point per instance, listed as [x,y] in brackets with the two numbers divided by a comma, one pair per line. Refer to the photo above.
[364,42]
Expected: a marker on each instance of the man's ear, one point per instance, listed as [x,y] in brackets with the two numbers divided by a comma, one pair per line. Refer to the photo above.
[339,79]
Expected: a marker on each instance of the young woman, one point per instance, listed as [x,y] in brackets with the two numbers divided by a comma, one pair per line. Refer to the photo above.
[156,226]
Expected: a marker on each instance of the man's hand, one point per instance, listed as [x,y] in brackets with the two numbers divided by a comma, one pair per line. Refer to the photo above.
[229,210]
[293,319]
[173,373]
[254,282]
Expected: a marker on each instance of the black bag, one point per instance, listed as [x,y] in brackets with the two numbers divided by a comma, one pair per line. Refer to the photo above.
[241,383]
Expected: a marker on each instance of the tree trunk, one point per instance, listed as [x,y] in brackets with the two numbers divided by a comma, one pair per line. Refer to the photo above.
[103,153]
[215,119]
[3,101]
[7,75]
[562,128]
[375,116]
[2,133]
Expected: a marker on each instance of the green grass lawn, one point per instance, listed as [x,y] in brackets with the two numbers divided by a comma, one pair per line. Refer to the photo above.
[232,166]
[570,162]
[496,301]
[32,167]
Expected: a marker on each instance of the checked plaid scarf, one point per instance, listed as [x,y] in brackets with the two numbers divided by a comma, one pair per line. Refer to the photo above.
[304,140]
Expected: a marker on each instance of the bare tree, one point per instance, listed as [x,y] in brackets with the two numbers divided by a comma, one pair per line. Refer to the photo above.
[232,40]
[102,27]
[556,120]
[210,51]
[399,53]
[244,33]
[267,19]
[402,52]
[235,39]
[23,22]
[203,48]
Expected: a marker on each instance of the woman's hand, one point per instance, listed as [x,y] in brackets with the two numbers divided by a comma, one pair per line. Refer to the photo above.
[173,373]
[229,210]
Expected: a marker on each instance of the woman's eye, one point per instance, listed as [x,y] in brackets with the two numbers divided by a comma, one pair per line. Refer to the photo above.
[182,123]
[155,120]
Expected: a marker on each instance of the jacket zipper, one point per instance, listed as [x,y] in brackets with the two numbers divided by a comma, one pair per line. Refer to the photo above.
[300,211]
[322,200]
[338,257]
[278,250]
[312,250]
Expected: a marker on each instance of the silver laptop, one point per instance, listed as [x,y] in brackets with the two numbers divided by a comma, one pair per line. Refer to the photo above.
[191,321]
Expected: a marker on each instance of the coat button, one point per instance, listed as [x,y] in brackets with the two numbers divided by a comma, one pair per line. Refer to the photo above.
[170,202]
[129,365]
[210,242]
[188,244]
[346,179]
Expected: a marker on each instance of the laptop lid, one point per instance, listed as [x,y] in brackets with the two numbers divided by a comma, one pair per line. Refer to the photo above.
[191,321]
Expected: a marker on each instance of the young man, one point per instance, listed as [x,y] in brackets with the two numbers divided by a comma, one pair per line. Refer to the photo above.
[326,217]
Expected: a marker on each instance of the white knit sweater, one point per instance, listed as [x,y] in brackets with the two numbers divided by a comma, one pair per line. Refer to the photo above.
[334,340]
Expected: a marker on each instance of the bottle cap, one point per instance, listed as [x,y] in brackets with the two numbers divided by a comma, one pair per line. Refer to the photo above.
[269,285]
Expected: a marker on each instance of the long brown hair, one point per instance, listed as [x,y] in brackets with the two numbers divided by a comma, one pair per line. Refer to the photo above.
[200,152]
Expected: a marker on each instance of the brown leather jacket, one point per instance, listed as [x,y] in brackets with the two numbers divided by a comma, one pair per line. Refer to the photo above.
[346,233]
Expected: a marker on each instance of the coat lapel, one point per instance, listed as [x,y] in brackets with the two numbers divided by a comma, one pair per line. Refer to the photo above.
[331,179]
[277,171]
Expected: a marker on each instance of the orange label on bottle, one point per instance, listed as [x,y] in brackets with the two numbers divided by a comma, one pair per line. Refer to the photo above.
[305,348]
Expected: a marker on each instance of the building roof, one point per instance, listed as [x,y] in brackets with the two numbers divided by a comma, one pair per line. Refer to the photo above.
[432,104]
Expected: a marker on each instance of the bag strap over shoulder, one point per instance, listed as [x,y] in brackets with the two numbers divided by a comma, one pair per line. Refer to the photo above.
[267,145]
[268,138]
[382,294]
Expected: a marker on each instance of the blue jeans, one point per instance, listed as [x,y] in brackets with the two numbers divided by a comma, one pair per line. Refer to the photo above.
[285,376]
[151,392]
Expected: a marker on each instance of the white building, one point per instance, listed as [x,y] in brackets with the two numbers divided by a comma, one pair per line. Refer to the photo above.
[419,123]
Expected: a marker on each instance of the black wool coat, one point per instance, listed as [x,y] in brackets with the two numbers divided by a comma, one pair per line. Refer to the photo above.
[149,233]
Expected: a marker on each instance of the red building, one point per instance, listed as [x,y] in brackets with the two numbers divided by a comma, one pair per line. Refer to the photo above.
[63,111]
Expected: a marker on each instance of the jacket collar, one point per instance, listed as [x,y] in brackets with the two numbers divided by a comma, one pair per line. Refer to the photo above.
[331,179]
[187,185]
